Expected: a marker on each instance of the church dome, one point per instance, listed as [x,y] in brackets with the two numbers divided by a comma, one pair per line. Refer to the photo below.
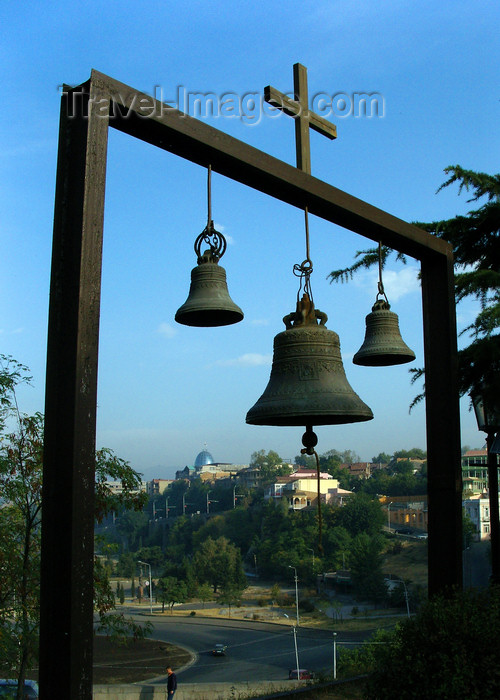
[203,458]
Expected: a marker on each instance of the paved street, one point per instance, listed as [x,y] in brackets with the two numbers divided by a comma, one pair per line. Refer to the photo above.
[256,651]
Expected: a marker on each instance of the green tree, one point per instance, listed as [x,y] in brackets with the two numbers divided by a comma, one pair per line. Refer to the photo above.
[275,592]
[270,465]
[365,560]
[21,468]
[361,513]
[305,461]
[126,564]
[445,651]
[404,467]
[381,458]
[204,593]
[230,595]
[151,555]
[218,562]
[469,530]
[110,467]
[337,543]
[21,487]
[170,591]
[475,239]
[131,525]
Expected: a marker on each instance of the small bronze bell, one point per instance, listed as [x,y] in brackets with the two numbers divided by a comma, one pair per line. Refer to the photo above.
[383,344]
[208,303]
[307,385]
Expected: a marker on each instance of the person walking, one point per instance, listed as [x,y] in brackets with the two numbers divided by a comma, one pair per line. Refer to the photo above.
[171,683]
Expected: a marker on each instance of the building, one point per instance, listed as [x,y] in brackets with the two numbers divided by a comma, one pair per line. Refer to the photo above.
[116,487]
[478,510]
[156,487]
[406,512]
[363,470]
[475,471]
[206,469]
[300,489]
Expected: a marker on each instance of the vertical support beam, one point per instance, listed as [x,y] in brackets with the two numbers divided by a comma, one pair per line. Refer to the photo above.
[66,623]
[443,425]
[494,509]
[302,142]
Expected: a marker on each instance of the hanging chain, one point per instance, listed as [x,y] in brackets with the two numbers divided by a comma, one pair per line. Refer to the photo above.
[304,270]
[214,239]
[380,283]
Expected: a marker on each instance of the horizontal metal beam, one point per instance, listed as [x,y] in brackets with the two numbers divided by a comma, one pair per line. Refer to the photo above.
[150,120]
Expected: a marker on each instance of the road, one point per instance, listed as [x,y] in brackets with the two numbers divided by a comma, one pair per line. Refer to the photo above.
[256,651]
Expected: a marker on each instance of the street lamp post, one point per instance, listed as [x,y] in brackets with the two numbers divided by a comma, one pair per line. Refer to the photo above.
[184,504]
[400,580]
[296,651]
[296,593]
[488,420]
[167,507]
[209,502]
[389,515]
[235,496]
[145,563]
[334,656]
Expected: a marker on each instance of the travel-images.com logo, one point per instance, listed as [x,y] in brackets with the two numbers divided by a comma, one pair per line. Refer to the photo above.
[249,107]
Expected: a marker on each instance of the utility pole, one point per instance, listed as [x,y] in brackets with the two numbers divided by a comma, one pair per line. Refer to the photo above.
[236,495]
[296,594]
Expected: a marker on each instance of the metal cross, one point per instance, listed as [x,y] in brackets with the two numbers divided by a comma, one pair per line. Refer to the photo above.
[299,110]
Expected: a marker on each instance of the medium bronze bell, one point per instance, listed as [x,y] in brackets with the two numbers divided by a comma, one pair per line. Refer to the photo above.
[307,385]
[208,303]
[383,344]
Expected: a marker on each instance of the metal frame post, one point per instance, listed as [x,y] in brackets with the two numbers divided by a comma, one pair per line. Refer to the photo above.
[66,618]
[444,473]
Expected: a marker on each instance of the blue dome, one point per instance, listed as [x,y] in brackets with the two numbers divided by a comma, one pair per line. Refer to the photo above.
[203,458]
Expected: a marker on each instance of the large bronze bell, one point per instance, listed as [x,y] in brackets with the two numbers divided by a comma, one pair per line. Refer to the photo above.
[208,303]
[307,385]
[383,344]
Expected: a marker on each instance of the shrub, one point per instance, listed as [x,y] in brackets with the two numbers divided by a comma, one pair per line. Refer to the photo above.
[396,547]
[450,649]
[306,605]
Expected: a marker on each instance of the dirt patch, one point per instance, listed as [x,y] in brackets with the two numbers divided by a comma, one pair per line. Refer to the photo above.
[135,661]
[410,563]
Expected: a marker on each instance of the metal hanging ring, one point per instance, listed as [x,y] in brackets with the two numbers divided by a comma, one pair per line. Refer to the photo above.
[214,239]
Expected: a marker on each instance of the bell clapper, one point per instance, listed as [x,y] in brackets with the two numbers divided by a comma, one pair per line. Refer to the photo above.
[310,440]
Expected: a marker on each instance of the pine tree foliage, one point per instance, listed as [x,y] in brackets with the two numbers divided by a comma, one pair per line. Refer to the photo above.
[476,247]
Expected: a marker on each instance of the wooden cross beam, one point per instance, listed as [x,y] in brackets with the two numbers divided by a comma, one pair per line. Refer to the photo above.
[299,110]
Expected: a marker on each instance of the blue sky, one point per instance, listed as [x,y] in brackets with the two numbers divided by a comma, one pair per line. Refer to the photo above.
[165,390]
